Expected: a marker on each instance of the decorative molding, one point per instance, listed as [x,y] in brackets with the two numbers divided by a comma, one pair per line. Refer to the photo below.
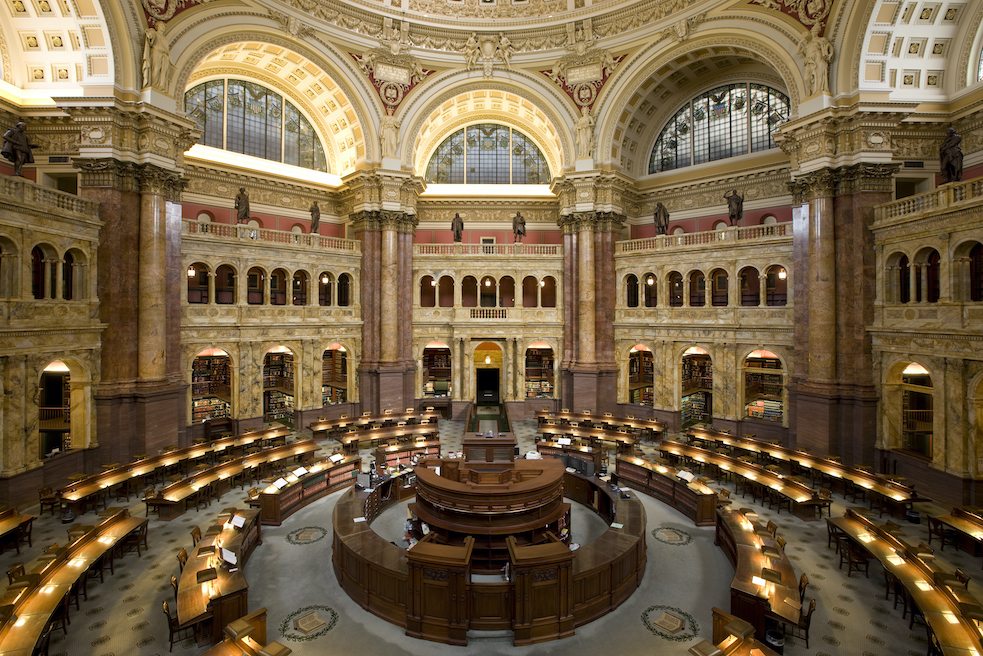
[808,12]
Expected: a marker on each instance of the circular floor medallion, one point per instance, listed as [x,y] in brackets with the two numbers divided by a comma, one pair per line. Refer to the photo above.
[306,535]
[308,623]
[672,536]
[670,623]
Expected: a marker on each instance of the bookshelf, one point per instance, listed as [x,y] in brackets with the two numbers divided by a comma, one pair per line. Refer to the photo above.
[641,377]
[539,373]
[211,381]
[334,377]
[763,388]
[436,372]
[278,387]
[697,374]
[695,408]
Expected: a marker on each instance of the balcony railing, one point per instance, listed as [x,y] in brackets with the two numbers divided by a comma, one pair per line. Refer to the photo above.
[474,250]
[950,195]
[247,234]
[489,313]
[34,194]
[730,237]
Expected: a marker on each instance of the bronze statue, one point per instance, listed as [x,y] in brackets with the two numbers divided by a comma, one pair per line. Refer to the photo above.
[661,219]
[457,225]
[951,157]
[242,206]
[17,147]
[518,227]
[315,218]
[735,206]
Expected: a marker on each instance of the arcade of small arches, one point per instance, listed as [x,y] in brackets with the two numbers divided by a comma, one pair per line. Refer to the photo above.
[489,291]
[222,285]
[766,287]
[53,273]
[925,276]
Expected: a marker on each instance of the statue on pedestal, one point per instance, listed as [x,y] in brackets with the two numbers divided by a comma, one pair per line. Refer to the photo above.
[661,219]
[735,206]
[457,225]
[518,227]
[242,206]
[315,218]
[951,157]
[17,147]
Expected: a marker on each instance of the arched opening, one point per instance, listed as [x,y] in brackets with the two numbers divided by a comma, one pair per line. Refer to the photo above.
[255,291]
[54,409]
[298,289]
[720,226]
[976,273]
[44,273]
[718,288]
[436,370]
[696,398]
[547,292]
[278,287]
[917,418]
[75,279]
[344,290]
[506,294]
[650,290]
[904,280]
[198,283]
[469,292]
[539,371]
[428,292]
[776,282]
[278,385]
[488,360]
[641,375]
[675,289]
[325,288]
[211,386]
[925,276]
[445,292]
[750,287]
[334,375]
[697,289]
[68,277]
[763,386]
[225,285]
[631,291]
[488,291]
[9,269]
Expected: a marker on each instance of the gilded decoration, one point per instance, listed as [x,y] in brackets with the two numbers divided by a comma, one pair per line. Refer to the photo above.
[808,12]
[392,70]
[582,72]
[157,11]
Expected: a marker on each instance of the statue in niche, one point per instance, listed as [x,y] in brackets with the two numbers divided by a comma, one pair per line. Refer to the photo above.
[585,133]
[457,225]
[156,58]
[315,218]
[390,135]
[17,147]
[818,53]
[242,206]
[951,157]
[661,219]
[735,206]
[518,227]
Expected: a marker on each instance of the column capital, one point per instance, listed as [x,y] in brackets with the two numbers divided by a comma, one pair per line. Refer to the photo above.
[161,182]
[866,177]
[107,172]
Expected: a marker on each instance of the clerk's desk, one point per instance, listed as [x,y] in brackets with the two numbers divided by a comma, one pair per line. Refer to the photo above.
[803,498]
[633,424]
[944,607]
[744,541]
[223,598]
[894,496]
[332,427]
[169,501]
[26,609]
[79,492]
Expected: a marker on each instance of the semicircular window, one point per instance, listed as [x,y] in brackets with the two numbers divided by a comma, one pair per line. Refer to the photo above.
[488,153]
[728,121]
[245,117]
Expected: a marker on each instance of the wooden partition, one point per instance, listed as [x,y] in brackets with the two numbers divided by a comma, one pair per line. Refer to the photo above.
[439,575]
[322,478]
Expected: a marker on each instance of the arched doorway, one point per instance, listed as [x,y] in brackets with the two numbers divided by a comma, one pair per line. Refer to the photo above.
[54,409]
[278,385]
[641,375]
[334,375]
[539,371]
[436,367]
[211,386]
[488,361]
[696,398]
[917,417]
[764,387]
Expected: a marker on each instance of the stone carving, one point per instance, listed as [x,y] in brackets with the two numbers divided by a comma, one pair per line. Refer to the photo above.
[389,134]
[157,67]
[391,68]
[242,206]
[950,157]
[518,227]
[584,69]
[292,26]
[818,53]
[457,225]
[488,50]
[735,206]
[682,28]
[808,12]
[585,133]
[17,147]
[661,219]
[315,218]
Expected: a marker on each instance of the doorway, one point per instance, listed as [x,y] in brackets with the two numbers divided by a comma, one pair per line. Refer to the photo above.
[487,384]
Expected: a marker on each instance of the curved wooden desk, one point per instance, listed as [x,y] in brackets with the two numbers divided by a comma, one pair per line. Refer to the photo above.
[321,479]
[332,427]
[695,500]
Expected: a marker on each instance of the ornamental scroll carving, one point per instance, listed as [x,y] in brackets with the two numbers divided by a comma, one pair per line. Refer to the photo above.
[158,11]
[583,71]
[390,67]
[808,12]
[540,575]
[431,574]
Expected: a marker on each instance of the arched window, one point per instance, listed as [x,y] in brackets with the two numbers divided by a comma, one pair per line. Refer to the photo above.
[718,293]
[445,292]
[488,153]
[469,292]
[428,292]
[675,289]
[68,277]
[697,289]
[225,285]
[506,292]
[248,118]
[976,273]
[488,291]
[917,419]
[904,280]
[325,282]
[299,288]
[547,292]
[650,290]
[750,287]
[344,290]
[631,291]
[777,286]
[278,287]
[197,283]
[255,291]
[731,120]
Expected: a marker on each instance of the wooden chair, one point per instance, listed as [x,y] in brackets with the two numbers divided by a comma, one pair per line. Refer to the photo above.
[174,627]
[855,560]
[939,530]
[174,585]
[963,578]
[781,542]
[134,540]
[15,572]
[48,498]
[801,630]
[772,528]
[24,533]
[825,500]
[182,558]
[147,495]
[723,497]
[803,584]
[44,643]
[195,536]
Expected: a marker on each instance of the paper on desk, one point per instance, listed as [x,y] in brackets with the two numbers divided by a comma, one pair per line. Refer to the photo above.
[617,525]
[359,519]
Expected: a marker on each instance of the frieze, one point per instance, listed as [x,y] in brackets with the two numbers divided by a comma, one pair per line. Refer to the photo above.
[808,12]
[158,11]
[430,212]
[267,190]
[771,184]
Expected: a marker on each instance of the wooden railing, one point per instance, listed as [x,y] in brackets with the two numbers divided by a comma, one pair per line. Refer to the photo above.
[730,237]
[245,233]
[950,195]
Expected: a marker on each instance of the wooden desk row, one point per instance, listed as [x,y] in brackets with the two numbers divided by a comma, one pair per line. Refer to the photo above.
[15,526]
[206,588]
[351,440]
[968,523]
[343,424]
[26,609]
[322,478]
[169,502]
[696,501]
[586,453]
[945,607]
[595,436]
[79,492]
[389,457]
[764,584]
[607,420]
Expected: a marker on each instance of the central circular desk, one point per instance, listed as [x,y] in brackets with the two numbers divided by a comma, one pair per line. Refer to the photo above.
[484,511]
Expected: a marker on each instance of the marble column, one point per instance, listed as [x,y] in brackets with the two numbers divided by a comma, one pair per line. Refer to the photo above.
[822,288]
[14,403]
[151,330]
[763,290]
[389,290]
[211,287]
[59,268]
[586,298]
[457,366]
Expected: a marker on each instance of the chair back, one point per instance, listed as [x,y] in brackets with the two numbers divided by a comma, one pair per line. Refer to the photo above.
[962,577]
[772,527]
[171,620]
[806,618]
[781,541]
[195,535]
[182,557]
[16,571]
[174,585]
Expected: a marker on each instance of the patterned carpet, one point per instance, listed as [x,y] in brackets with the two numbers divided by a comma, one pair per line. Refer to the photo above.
[291,575]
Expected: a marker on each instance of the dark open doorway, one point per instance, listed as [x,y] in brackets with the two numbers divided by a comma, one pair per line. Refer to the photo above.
[487,384]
